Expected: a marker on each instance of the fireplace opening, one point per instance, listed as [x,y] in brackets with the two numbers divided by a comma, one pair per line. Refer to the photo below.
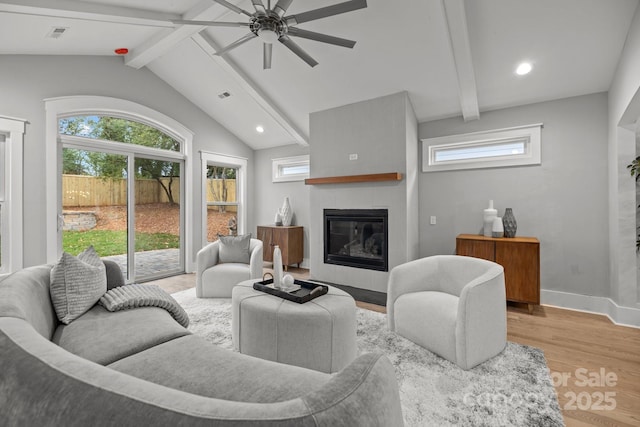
[356,238]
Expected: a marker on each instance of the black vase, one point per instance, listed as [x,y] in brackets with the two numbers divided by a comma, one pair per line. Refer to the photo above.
[509,223]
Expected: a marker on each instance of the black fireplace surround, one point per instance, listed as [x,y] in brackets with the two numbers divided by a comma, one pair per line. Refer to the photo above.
[357,238]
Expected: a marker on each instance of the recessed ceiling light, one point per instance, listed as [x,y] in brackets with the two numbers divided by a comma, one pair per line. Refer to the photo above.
[523,68]
[259,129]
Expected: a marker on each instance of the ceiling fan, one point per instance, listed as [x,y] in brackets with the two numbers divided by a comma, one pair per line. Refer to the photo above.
[271,25]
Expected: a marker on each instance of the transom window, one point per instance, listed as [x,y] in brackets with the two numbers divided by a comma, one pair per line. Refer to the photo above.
[506,147]
[290,168]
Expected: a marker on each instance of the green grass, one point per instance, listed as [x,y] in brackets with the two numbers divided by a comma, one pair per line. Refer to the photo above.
[108,242]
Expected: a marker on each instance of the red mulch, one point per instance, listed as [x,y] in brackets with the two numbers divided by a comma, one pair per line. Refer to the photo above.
[153,218]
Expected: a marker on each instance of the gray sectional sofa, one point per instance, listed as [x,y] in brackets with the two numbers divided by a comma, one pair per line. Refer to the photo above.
[140,367]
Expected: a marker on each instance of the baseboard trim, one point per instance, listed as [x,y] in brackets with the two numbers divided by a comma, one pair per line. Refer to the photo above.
[623,316]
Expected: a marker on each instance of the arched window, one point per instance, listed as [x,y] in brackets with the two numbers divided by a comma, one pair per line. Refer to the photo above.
[121,184]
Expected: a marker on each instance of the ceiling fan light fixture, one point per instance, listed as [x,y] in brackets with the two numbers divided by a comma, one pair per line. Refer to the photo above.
[267,35]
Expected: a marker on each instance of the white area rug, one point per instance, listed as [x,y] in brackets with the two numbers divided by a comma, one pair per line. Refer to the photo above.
[512,389]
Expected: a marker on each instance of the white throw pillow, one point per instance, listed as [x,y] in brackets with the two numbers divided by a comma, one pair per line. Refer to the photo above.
[235,248]
[77,283]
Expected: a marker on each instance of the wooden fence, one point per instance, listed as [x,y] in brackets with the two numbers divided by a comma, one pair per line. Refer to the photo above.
[84,191]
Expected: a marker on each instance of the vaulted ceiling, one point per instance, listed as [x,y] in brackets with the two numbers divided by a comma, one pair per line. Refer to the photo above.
[453,57]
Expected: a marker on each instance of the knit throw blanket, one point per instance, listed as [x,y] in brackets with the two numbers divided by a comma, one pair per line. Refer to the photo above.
[132,296]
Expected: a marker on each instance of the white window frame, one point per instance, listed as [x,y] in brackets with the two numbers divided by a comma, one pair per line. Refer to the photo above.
[278,164]
[529,134]
[69,106]
[241,164]
[11,196]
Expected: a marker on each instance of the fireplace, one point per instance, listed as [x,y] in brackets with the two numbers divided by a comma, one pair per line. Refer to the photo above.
[357,238]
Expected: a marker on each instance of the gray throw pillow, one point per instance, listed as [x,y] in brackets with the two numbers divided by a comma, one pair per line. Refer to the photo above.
[234,248]
[77,283]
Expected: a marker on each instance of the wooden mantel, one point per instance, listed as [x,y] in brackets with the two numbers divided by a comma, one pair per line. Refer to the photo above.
[374,177]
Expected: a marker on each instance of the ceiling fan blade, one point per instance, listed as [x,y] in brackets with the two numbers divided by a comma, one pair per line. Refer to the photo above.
[267,49]
[233,7]
[210,23]
[324,38]
[236,43]
[281,7]
[324,12]
[259,6]
[293,47]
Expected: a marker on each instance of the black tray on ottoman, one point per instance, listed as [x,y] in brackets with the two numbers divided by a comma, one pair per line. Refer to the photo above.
[300,296]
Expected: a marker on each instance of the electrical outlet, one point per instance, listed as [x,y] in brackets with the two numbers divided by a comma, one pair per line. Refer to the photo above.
[432,220]
[353,156]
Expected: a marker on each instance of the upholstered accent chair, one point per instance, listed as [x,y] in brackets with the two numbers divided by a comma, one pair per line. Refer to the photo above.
[219,270]
[451,305]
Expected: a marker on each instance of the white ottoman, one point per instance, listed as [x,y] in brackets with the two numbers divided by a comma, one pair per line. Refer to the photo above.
[319,334]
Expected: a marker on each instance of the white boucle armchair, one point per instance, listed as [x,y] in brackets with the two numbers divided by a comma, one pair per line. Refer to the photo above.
[451,305]
[215,279]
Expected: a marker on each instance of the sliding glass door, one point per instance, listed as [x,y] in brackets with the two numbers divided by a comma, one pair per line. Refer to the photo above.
[158,218]
[124,198]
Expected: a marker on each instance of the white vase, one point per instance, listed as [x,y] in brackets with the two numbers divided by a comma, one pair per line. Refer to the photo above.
[498,229]
[277,267]
[490,215]
[286,213]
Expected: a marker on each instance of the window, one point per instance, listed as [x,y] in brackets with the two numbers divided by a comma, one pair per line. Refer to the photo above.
[11,139]
[499,148]
[118,129]
[143,155]
[290,169]
[224,196]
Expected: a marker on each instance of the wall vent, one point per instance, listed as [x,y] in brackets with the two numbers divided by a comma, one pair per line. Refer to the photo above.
[56,32]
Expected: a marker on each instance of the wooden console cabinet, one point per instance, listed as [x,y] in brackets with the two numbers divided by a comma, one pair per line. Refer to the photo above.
[289,239]
[520,257]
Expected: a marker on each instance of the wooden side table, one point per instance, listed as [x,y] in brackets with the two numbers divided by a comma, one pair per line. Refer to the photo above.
[520,257]
[289,239]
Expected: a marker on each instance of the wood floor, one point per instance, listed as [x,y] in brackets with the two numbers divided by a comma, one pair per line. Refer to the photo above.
[594,363]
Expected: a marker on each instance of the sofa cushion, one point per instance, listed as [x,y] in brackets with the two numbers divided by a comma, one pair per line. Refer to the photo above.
[77,283]
[25,295]
[104,337]
[219,373]
[115,278]
[219,280]
[416,309]
[235,248]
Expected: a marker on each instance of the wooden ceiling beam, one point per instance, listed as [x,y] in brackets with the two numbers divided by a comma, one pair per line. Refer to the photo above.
[73,9]
[164,41]
[456,19]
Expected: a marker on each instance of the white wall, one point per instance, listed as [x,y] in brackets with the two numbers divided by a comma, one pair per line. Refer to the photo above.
[624,111]
[563,202]
[28,80]
[270,195]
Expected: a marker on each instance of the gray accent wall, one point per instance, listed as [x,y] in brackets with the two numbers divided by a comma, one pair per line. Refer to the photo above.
[28,80]
[563,202]
[383,133]
[269,195]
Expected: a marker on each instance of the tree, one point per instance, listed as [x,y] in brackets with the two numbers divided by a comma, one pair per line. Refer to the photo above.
[222,173]
[115,166]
